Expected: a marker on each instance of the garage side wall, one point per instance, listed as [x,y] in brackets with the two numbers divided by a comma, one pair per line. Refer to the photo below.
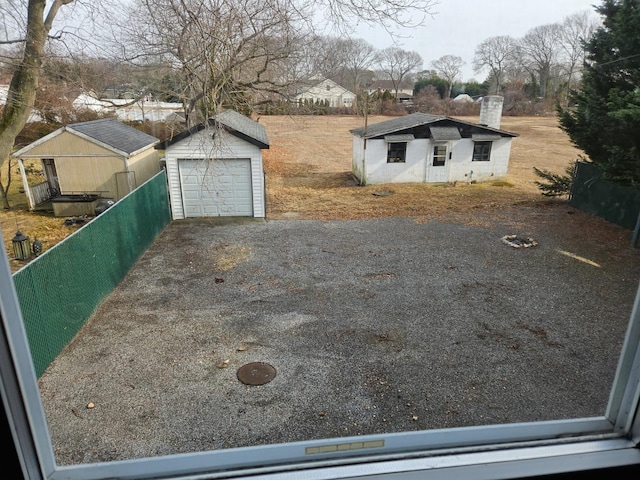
[201,145]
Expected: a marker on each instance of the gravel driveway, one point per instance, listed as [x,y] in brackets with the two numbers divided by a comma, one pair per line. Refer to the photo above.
[372,326]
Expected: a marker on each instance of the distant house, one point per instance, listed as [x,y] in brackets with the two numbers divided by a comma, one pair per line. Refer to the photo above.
[433,148]
[463,98]
[404,94]
[327,91]
[215,169]
[101,158]
[131,110]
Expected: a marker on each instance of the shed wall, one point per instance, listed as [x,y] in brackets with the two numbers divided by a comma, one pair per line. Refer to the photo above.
[145,165]
[462,168]
[379,171]
[460,165]
[90,174]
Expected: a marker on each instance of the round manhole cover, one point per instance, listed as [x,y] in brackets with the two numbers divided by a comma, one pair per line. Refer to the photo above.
[256,373]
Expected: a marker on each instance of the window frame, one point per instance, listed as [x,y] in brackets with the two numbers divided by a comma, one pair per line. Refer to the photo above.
[482,143]
[444,157]
[403,156]
[504,451]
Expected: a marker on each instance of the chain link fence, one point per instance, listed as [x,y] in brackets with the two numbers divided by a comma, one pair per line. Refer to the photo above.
[59,291]
[591,193]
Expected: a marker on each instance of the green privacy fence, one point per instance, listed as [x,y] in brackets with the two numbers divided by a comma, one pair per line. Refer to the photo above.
[59,291]
[591,193]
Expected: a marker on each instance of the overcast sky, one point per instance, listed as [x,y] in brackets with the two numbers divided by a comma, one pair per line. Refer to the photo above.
[459,26]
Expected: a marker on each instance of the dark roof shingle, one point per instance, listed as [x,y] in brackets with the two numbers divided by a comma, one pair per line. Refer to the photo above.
[114,134]
[233,122]
[413,120]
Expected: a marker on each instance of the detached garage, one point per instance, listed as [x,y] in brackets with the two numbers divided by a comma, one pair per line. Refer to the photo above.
[215,169]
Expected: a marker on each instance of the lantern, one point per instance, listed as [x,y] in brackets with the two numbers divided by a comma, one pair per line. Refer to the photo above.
[21,246]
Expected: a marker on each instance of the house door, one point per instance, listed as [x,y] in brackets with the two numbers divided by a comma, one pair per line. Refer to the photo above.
[51,175]
[438,164]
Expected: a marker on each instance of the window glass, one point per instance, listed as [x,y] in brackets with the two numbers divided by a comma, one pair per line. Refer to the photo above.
[396,152]
[481,151]
[439,155]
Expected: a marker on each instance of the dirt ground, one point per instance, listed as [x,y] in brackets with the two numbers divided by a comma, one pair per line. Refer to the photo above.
[309,177]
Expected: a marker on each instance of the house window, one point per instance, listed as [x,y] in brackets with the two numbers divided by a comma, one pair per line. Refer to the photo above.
[481,151]
[439,155]
[396,152]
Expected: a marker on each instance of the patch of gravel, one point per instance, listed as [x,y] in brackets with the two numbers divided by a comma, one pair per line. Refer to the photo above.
[373,326]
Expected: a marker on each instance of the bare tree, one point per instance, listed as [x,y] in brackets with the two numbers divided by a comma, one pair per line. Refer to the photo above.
[448,67]
[495,54]
[218,59]
[539,53]
[22,90]
[345,14]
[396,63]
[224,51]
[360,57]
[576,29]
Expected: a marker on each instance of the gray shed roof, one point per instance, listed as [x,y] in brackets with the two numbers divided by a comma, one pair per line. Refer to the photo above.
[413,120]
[441,134]
[233,122]
[107,132]
[237,122]
[114,134]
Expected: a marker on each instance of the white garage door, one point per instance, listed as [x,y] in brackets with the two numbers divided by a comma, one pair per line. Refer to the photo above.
[216,188]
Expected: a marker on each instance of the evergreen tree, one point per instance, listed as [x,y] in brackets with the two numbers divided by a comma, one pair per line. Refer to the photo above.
[604,121]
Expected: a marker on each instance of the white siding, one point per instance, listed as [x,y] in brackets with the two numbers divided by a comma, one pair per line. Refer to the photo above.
[202,146]
[460,166]
[328,90]
[412,170]
[357,160]
[463,169]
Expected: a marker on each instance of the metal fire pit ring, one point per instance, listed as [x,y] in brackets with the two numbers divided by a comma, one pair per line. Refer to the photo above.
[256,373]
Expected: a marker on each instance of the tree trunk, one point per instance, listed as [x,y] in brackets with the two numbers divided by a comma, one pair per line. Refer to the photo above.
[22,90]
[5,200]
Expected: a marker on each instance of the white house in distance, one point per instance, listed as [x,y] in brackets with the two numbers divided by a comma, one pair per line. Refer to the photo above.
[405,89]
[433,148]
[328,90]
[129,110]
[215,169]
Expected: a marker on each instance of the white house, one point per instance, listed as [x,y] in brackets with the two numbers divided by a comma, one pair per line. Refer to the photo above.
[328,90]
[405,89]
[433,148]
[215,169]
[129,110]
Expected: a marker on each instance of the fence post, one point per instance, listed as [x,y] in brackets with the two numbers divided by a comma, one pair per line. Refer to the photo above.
[636,233]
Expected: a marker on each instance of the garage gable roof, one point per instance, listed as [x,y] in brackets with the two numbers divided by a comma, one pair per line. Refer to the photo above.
[413,120]
[106,132]
[234,123]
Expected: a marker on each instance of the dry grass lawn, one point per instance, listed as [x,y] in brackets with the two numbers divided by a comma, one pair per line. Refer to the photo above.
[309,172]
[309,177]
